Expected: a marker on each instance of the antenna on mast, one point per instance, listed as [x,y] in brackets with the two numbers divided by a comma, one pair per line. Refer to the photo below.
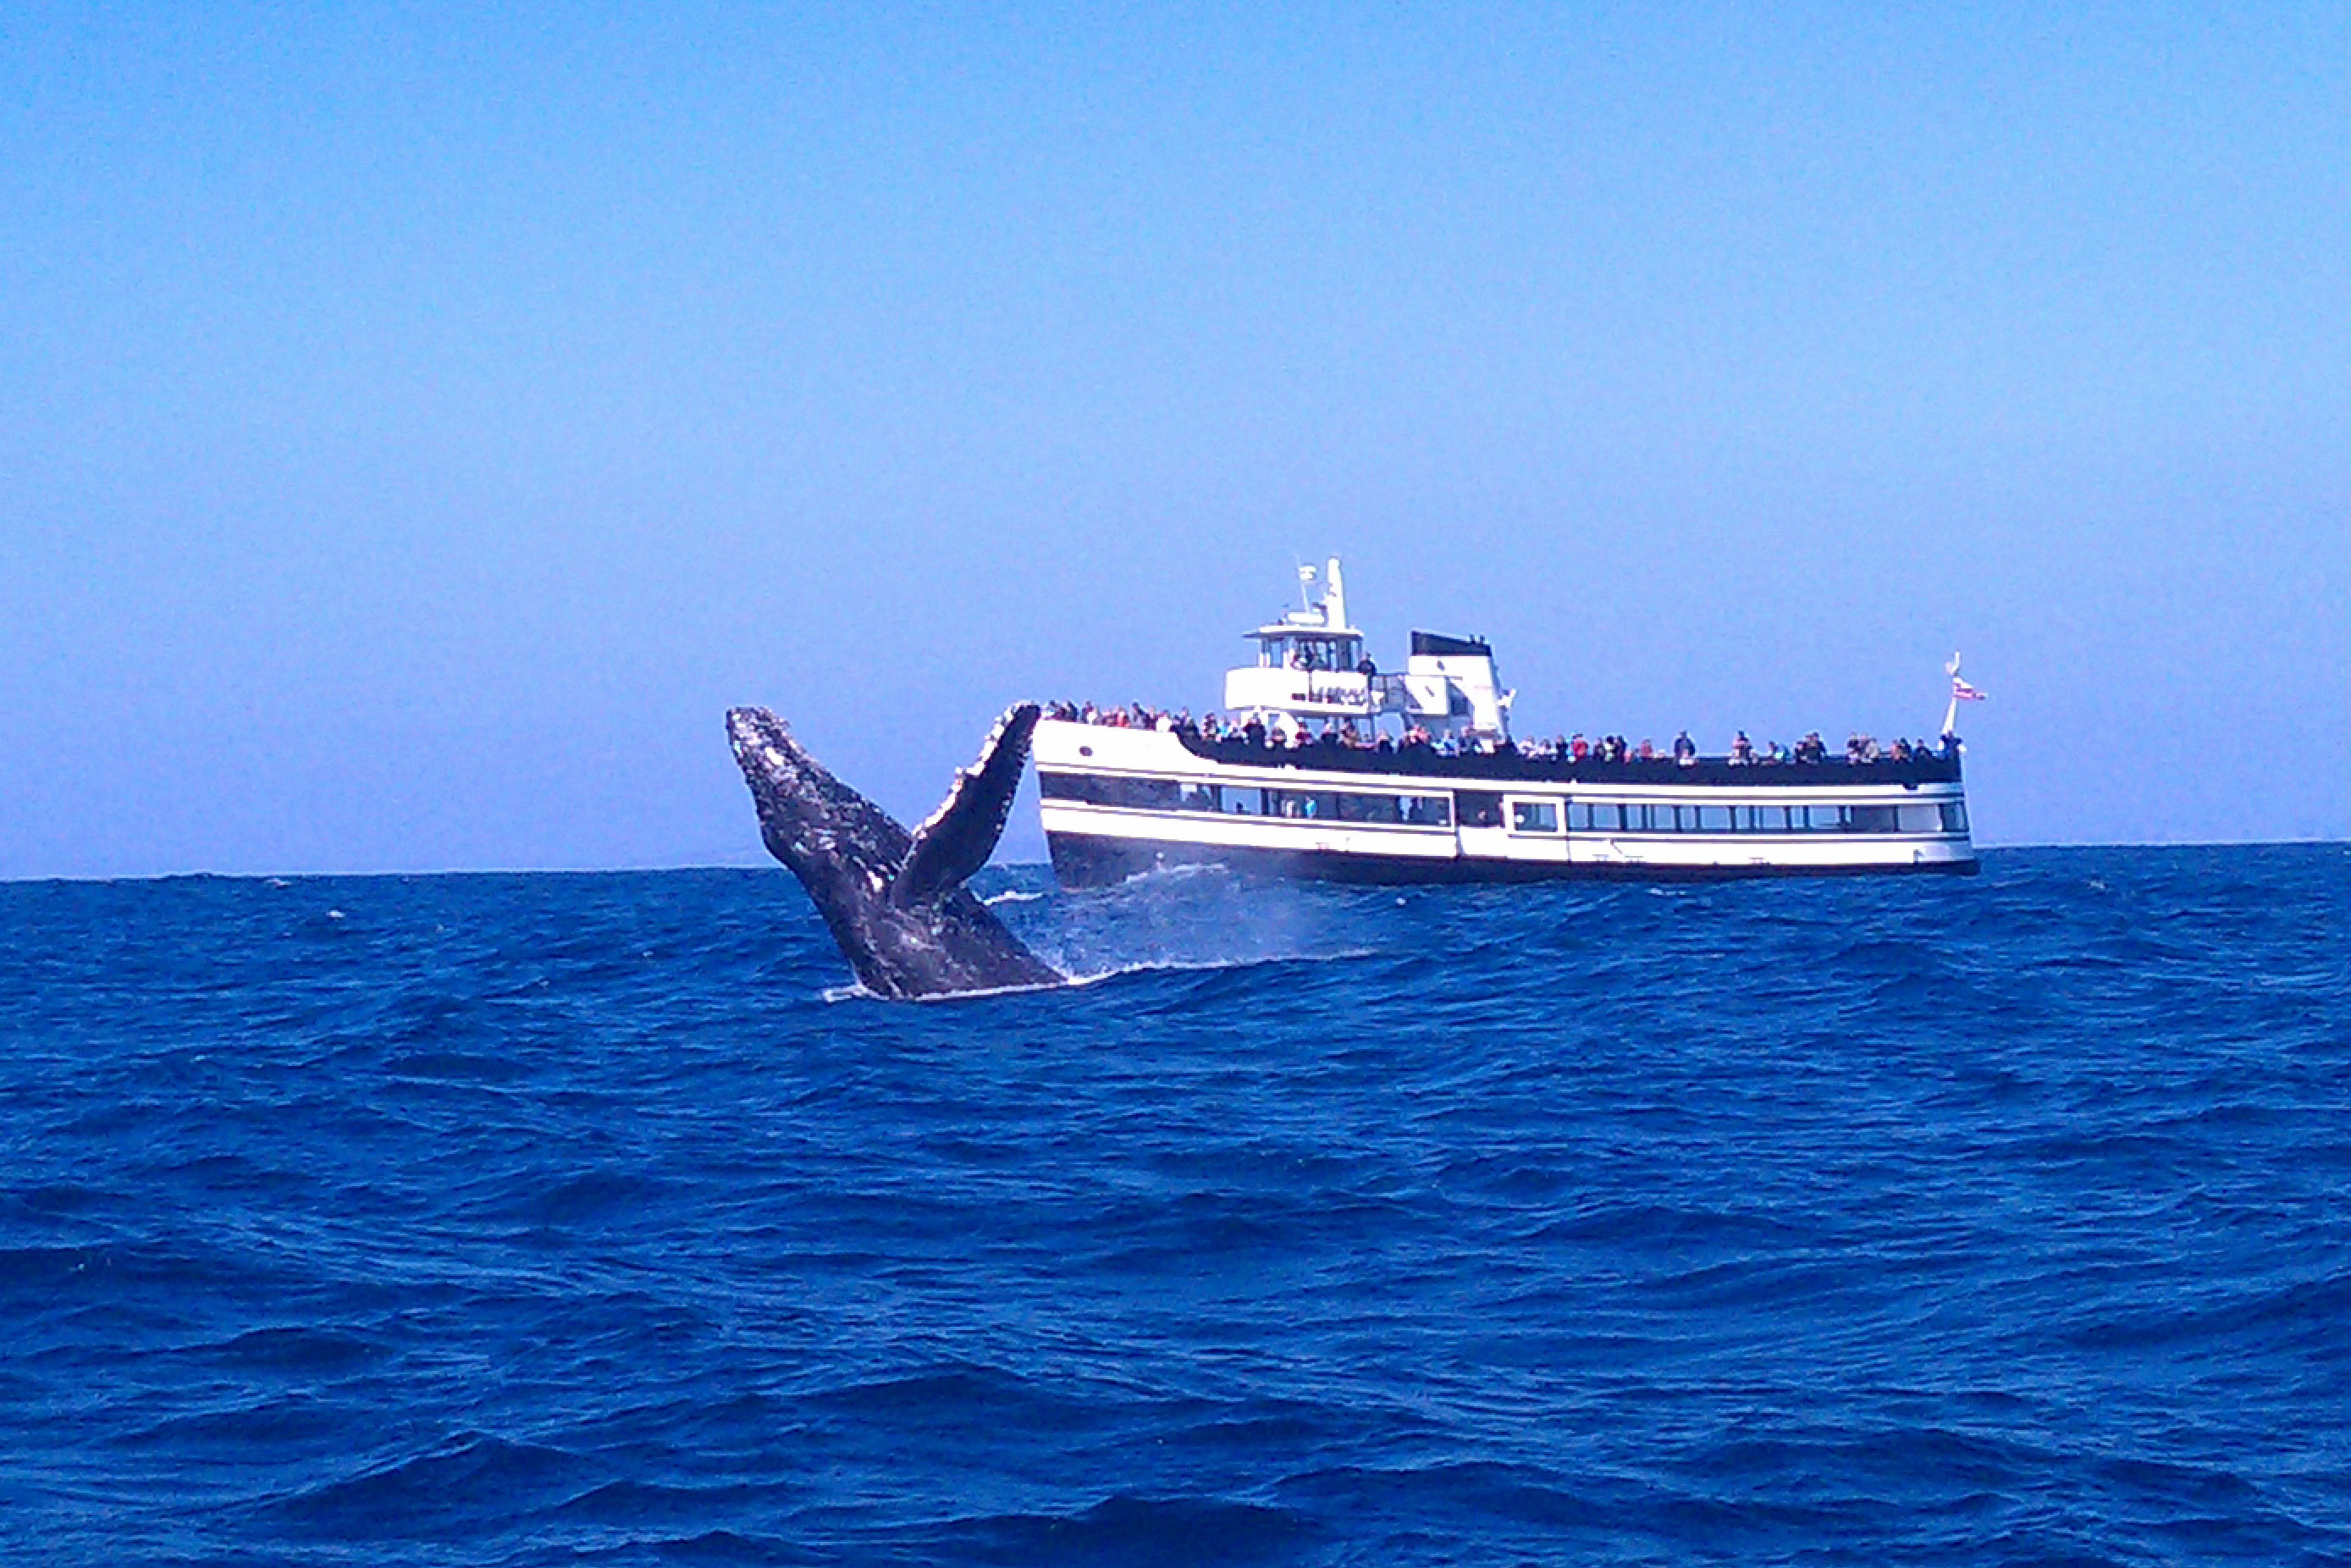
[1305,581]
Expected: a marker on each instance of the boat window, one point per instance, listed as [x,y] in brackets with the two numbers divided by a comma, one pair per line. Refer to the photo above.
[1354,806]
[1079,787]
[1923,819]
[1955,817]
[1714,819]
[1478,808]
[1302,805]
[1534,816]
[1314,654]
[1241,801]
[1873,818]
[1145,794]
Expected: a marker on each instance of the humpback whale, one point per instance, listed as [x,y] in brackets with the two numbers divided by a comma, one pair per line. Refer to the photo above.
[895,901]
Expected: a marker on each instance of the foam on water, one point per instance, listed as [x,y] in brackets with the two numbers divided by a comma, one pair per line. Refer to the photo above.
[537,1219]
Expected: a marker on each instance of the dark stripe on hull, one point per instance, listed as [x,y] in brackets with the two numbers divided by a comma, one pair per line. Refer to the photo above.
[1082,859]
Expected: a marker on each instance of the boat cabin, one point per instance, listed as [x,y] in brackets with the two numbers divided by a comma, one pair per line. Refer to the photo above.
[1311,670]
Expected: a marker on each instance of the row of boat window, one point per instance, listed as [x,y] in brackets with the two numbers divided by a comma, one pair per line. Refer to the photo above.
[1481,808]
[1248,801]
[1584,817]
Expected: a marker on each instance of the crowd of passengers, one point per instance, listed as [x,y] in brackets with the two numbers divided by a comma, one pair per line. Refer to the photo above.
[1253,732]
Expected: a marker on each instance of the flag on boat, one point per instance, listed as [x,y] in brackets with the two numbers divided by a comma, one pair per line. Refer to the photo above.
[1963,693]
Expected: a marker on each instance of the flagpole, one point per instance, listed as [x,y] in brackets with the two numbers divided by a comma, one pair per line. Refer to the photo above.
[1951,713]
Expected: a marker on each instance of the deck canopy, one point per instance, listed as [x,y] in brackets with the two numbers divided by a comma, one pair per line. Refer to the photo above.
[1436,645]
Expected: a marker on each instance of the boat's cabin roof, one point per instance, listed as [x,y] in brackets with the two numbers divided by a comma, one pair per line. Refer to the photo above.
[1296,627]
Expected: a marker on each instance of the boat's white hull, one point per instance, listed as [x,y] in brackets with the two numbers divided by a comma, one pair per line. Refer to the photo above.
[1120,801]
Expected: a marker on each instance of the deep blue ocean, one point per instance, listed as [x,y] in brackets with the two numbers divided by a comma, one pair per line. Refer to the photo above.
[582,1218]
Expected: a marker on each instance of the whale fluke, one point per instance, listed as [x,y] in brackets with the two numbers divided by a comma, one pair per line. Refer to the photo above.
[895,902]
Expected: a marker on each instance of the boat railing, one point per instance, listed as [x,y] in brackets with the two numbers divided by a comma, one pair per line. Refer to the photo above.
[1939,768]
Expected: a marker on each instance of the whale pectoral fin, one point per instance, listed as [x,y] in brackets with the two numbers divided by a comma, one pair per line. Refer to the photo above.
[957,840]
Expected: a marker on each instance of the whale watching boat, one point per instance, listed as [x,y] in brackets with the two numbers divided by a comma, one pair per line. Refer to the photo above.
[1326,767]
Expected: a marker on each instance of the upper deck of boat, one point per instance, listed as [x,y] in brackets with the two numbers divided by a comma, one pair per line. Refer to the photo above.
[1513,766]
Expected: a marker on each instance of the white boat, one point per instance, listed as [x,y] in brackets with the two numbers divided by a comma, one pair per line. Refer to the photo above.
[1329,768]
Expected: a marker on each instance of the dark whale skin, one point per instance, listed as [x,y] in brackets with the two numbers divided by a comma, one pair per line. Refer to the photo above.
[895,901]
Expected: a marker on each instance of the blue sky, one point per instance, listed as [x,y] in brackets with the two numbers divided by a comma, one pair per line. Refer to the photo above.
[416,426]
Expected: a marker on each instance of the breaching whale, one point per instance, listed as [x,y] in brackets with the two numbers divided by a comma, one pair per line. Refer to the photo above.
[894,901]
